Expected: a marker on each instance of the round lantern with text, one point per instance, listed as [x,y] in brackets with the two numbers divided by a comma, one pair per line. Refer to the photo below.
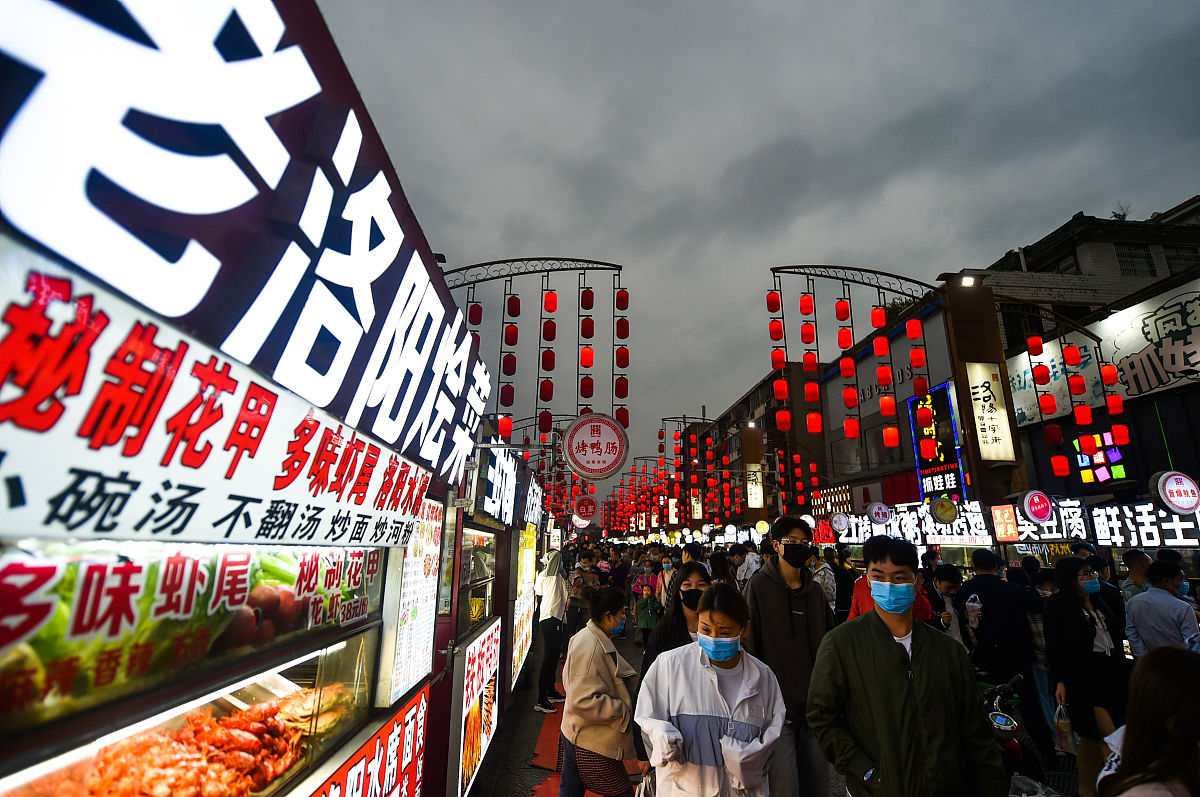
[1176,492]
[879,513]
[1037,507]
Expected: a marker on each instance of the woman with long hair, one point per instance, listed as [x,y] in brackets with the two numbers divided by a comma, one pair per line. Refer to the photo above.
[678,627]
[1158,756]
[551,589]
[1086,662]
[722,570]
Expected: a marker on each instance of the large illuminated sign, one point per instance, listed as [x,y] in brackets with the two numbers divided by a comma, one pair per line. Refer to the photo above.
[754,486]
[990,412]
[936,444]
[501,478]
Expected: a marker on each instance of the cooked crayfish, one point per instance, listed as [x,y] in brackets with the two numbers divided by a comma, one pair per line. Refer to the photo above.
[253,742]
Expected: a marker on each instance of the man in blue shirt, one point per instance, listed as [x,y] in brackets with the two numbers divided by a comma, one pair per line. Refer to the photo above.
[1158,616]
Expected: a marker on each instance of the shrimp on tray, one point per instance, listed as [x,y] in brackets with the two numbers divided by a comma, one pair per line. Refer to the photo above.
[252,742]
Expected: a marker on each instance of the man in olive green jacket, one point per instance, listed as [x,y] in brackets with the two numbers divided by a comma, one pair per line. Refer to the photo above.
[894,704]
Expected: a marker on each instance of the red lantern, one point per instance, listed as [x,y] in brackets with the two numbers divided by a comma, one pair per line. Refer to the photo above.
[549,330]
[1116,404]
[662,434]
[1108,374]
[850,427]
[850,397]
[1054,434]
[546,390]
[1035,346]
[928,448]
[1076,384]
[1060,465]
[587,298]
[622,328]
[621,387]
[781,389]
[623,412]
[806,304]
[548,360]
[841,309]
[847,364]
[891,436]
[920,387]
[475,340]
[677,436]
[808,332]
[778,359]
[507,395]
[587,328]
[1120,433]
[1047,404]
[845,338]
[545,422]
[1087,445]
[622,357]
[881,346]
[550,301]
[587,356]
[475,314]
[622,301]
[775,328]
[508,364]
[1083,414]
[813,422]
[878,317]
[783,421]
[912,328]
[883,375]
[504,423]
[924,417]
[586,387]
[812,392]
[773,302]
[1071,355]
[510,335]
[514,306]
[1041,375]
[810,362]
[916,356]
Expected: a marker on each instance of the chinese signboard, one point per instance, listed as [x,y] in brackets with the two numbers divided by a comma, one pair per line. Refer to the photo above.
[914,523]
[218,167]
[595,446]
[1154,344]
[1004,520]
[754,486]
[500,499]
[480,707]
[148,434]
[523,611]
[1036,507]
[586,507]
[940,475]
[1177,492]
[990,412]
[412,659]
[90,622]
[391,763]
[1106,464]
[1144,526]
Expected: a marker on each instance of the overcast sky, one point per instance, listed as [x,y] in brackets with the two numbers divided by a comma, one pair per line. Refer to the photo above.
[699,144]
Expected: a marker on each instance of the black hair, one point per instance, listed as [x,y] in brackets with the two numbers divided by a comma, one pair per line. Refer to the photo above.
[674,622]
[787,524]
[1167,555]
[586,553]
[1098,563]
[737,549]
[1043,576]
[1066,573]
[1030,564]
[1161,571]
[881,548]
[983,559]
[929,558]
[750,546]
[608,600]
[721,568]
[1018,576]
[1079,545]
[947,573]
[694,550]
[725,599]
[1133,555]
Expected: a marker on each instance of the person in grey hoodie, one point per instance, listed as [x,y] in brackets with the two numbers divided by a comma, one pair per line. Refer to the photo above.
[788,618]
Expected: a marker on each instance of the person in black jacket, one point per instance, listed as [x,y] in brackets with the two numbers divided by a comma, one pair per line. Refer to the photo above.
[1085,656]
[941,589]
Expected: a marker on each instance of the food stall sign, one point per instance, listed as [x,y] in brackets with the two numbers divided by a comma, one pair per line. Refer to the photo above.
[235,185]
[915,523]
[390,762]
[672,511]
[1037,507]
[879,513]
[586,507]
[479,671]
[408,659]
[578,522]
[555,536]
[990,412]
[500,499]
[942,474]
[523,606]
[838,521]
[943,511]
[1069,523]
[534,501]
[1176,492]
[595,446]
[1144,525]
[697,508]
[1004,519]
[754,486]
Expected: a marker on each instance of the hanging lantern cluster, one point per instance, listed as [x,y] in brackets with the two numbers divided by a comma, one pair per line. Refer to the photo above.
[508,344]
[620,351]
[776,331]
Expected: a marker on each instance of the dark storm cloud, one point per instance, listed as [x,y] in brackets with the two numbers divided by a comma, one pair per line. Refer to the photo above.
[700,144]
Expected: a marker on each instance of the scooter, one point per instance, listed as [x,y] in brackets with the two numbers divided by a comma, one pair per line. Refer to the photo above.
[1017,748]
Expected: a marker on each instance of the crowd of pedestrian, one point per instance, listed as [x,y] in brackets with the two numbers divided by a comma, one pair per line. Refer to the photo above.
[793,670]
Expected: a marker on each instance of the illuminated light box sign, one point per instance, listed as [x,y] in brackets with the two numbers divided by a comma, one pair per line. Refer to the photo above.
[941,473]
[480,708]
[500,480]
[990,412]
[1107,464]
[219,168]
[915,523]
[411,654]
[1144,525]
[522,639]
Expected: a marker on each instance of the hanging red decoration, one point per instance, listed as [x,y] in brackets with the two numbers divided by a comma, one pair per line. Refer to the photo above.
[920,386]
[809,361]
[622,300]
[1076,384]
[514,306]
[546,390]
[783,420]
[586,387]
[878,317]
[812,392]
[507,395]
[621,387]
[778,359]
[508,364]
[881,346]
[504,425]
[1083,414]
[587,328]
[773,302]
[475,340]
[781,389]
[1054,434]
[807,305]
[1116,404]
[850,397]
[847,366]
[841,310]
[850,427]
[662,434]
[883,375]
[587,356]
[622,357]
[548,360]
[808,332]
[549,330]
[916,356]
[550,301]
[1120,433]
[1087,445]
[775,328]
[891,436]
[1108,374]
[623,414]
[545,423]
[813,422]
[887,406]
[475,314]
[1047,404]
[1041,374]
[924,417]
[510,335]
[912,328]
[623,328]
[928,448]
[587,298]
[1060,465]
[845,338]
[1035,346]
[1072,355]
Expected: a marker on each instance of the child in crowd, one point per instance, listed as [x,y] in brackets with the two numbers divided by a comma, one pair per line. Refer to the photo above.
[649,610]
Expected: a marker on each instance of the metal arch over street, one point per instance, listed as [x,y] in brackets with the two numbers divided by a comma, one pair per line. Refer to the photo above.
[883,280]
[499,269]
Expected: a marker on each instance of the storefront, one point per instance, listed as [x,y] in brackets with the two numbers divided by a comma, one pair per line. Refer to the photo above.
[237,399]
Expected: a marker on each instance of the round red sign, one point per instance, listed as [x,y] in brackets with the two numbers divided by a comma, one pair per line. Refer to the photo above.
[595,446]
[1177,491]
[1037,507]
[879,513]
[586,507]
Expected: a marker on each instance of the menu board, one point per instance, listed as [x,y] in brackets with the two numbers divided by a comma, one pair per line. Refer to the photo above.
[480,709]
[418,602]
[523,615]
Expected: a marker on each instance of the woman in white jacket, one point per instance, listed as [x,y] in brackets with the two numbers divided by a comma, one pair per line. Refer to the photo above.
[710,712]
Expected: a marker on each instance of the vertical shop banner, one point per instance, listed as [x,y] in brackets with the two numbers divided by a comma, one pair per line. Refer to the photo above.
[500,497]
[413,655]
[480,706]
[990,412]
[754,486]
[214,163]
[522,639]
[939,475]
[389,764]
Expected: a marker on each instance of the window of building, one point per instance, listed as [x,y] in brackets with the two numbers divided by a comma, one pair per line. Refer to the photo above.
[1181,258]
[1066,265]
[1135,260]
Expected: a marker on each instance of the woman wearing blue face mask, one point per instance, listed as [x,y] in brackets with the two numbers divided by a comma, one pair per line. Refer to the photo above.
[710,713]
[1086,662]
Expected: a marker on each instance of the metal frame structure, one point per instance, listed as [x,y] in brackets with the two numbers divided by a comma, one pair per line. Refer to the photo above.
[501,269]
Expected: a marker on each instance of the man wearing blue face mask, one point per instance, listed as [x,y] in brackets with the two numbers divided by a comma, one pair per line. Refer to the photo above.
[894,703]
[1158,617]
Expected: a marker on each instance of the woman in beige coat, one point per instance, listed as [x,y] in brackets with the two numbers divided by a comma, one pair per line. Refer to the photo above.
[597,725]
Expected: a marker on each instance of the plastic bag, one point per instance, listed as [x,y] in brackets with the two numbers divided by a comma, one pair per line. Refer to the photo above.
[1022,786]
[646,787]
[1064,737]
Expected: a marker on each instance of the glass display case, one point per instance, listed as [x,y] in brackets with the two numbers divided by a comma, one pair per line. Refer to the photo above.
[477,576]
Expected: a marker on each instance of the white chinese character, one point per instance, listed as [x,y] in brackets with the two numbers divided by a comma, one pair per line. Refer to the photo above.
[1179,531]
[409,728]
[1147,524]
[354,778]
